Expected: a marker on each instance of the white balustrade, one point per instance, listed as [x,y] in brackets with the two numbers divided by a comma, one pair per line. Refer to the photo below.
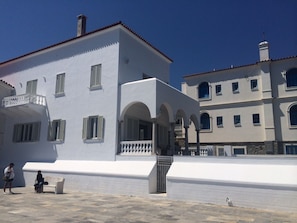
[23,99]
[136,147]
[203,152]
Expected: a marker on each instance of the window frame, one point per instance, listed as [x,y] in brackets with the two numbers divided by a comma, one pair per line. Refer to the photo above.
[202,88]
[220,122]
[237,120]
[93,128]
[209,123]
[218,88]
[26,132]
[286,151]
[254,88]
[95,77]
[235,84]
[31,87]
[292,117]
[292,77]
[56,130]
[237,148]
[60,84]
[255,119]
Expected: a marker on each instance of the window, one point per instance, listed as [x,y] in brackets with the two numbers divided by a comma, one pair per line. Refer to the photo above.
[291,77]
[293,115]
[235,87]
[218,89]
[93,128]
[254,84]
[220,121]
[256,119]
[56,130]
[27,132]
[138,129]
[205,121]
[31,87]
[239,150]
[95,82]
[291,149]
[60,82]
[203,90]
[237,120]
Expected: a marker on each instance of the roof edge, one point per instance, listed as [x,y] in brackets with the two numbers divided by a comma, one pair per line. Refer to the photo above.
[88,34]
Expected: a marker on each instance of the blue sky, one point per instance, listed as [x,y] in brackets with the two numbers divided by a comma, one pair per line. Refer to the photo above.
[199,35]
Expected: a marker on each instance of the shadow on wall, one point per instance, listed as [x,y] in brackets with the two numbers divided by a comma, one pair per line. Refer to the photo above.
[21,152]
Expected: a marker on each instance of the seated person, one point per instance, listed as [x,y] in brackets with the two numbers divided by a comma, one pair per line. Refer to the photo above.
[39,182]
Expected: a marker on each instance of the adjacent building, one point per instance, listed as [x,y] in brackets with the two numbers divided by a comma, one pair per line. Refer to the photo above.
[250,109]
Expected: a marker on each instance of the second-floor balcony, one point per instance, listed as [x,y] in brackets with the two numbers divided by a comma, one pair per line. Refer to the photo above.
[23,99]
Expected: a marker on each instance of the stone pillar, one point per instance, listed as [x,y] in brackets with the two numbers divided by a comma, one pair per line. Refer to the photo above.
[171,140]
[187,152]
[198,142]
[154,136]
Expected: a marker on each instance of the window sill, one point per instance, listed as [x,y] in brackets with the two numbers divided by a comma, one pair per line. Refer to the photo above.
[237,125]
[97,87]
[236,92]
[291,88]
[95,140]
[61,94]
[256,124]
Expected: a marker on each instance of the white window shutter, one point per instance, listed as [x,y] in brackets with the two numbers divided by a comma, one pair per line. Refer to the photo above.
[85,128]
[62,130]
[100,127]
[50,132]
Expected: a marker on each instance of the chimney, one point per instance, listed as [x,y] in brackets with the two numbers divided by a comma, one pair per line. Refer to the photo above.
[81,25]
[264,51]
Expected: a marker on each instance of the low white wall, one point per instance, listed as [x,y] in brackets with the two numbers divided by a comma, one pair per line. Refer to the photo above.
[112,177]
[249,182]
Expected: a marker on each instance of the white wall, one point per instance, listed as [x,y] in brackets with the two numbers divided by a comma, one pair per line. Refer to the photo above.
[258,182]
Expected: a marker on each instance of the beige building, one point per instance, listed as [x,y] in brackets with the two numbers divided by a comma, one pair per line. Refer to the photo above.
[250,109]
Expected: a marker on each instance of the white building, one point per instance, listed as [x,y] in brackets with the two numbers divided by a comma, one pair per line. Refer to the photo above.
[250,109]
[88,107]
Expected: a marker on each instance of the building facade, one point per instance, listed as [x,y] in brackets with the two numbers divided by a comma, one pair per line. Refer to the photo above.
[250,109]
[101,96]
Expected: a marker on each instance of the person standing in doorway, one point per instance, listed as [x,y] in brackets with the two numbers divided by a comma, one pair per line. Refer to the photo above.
[8,177]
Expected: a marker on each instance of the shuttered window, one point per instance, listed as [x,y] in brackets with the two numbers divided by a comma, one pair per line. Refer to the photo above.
[95,80]
[31,87]
[60,83]
[27,132]
[93,127]
[56,130]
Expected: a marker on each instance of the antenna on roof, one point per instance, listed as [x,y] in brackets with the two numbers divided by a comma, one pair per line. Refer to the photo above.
[263,34]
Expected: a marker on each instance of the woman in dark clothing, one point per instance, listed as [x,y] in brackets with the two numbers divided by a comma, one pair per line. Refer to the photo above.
[39,182]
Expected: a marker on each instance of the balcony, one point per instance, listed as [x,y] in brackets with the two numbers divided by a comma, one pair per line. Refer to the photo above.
[23,99]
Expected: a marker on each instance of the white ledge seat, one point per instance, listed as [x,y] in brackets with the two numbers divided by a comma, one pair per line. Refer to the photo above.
[56,183]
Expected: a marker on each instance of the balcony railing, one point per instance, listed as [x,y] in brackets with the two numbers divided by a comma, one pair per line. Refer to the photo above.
[136,147]
[23,99]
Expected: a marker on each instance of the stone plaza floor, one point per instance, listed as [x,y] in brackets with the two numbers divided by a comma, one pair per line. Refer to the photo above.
[27,206]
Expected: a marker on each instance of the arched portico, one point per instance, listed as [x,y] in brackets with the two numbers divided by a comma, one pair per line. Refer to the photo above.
[147,119]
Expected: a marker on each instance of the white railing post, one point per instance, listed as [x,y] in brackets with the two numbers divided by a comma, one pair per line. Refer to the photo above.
[23,99]
[136,147]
